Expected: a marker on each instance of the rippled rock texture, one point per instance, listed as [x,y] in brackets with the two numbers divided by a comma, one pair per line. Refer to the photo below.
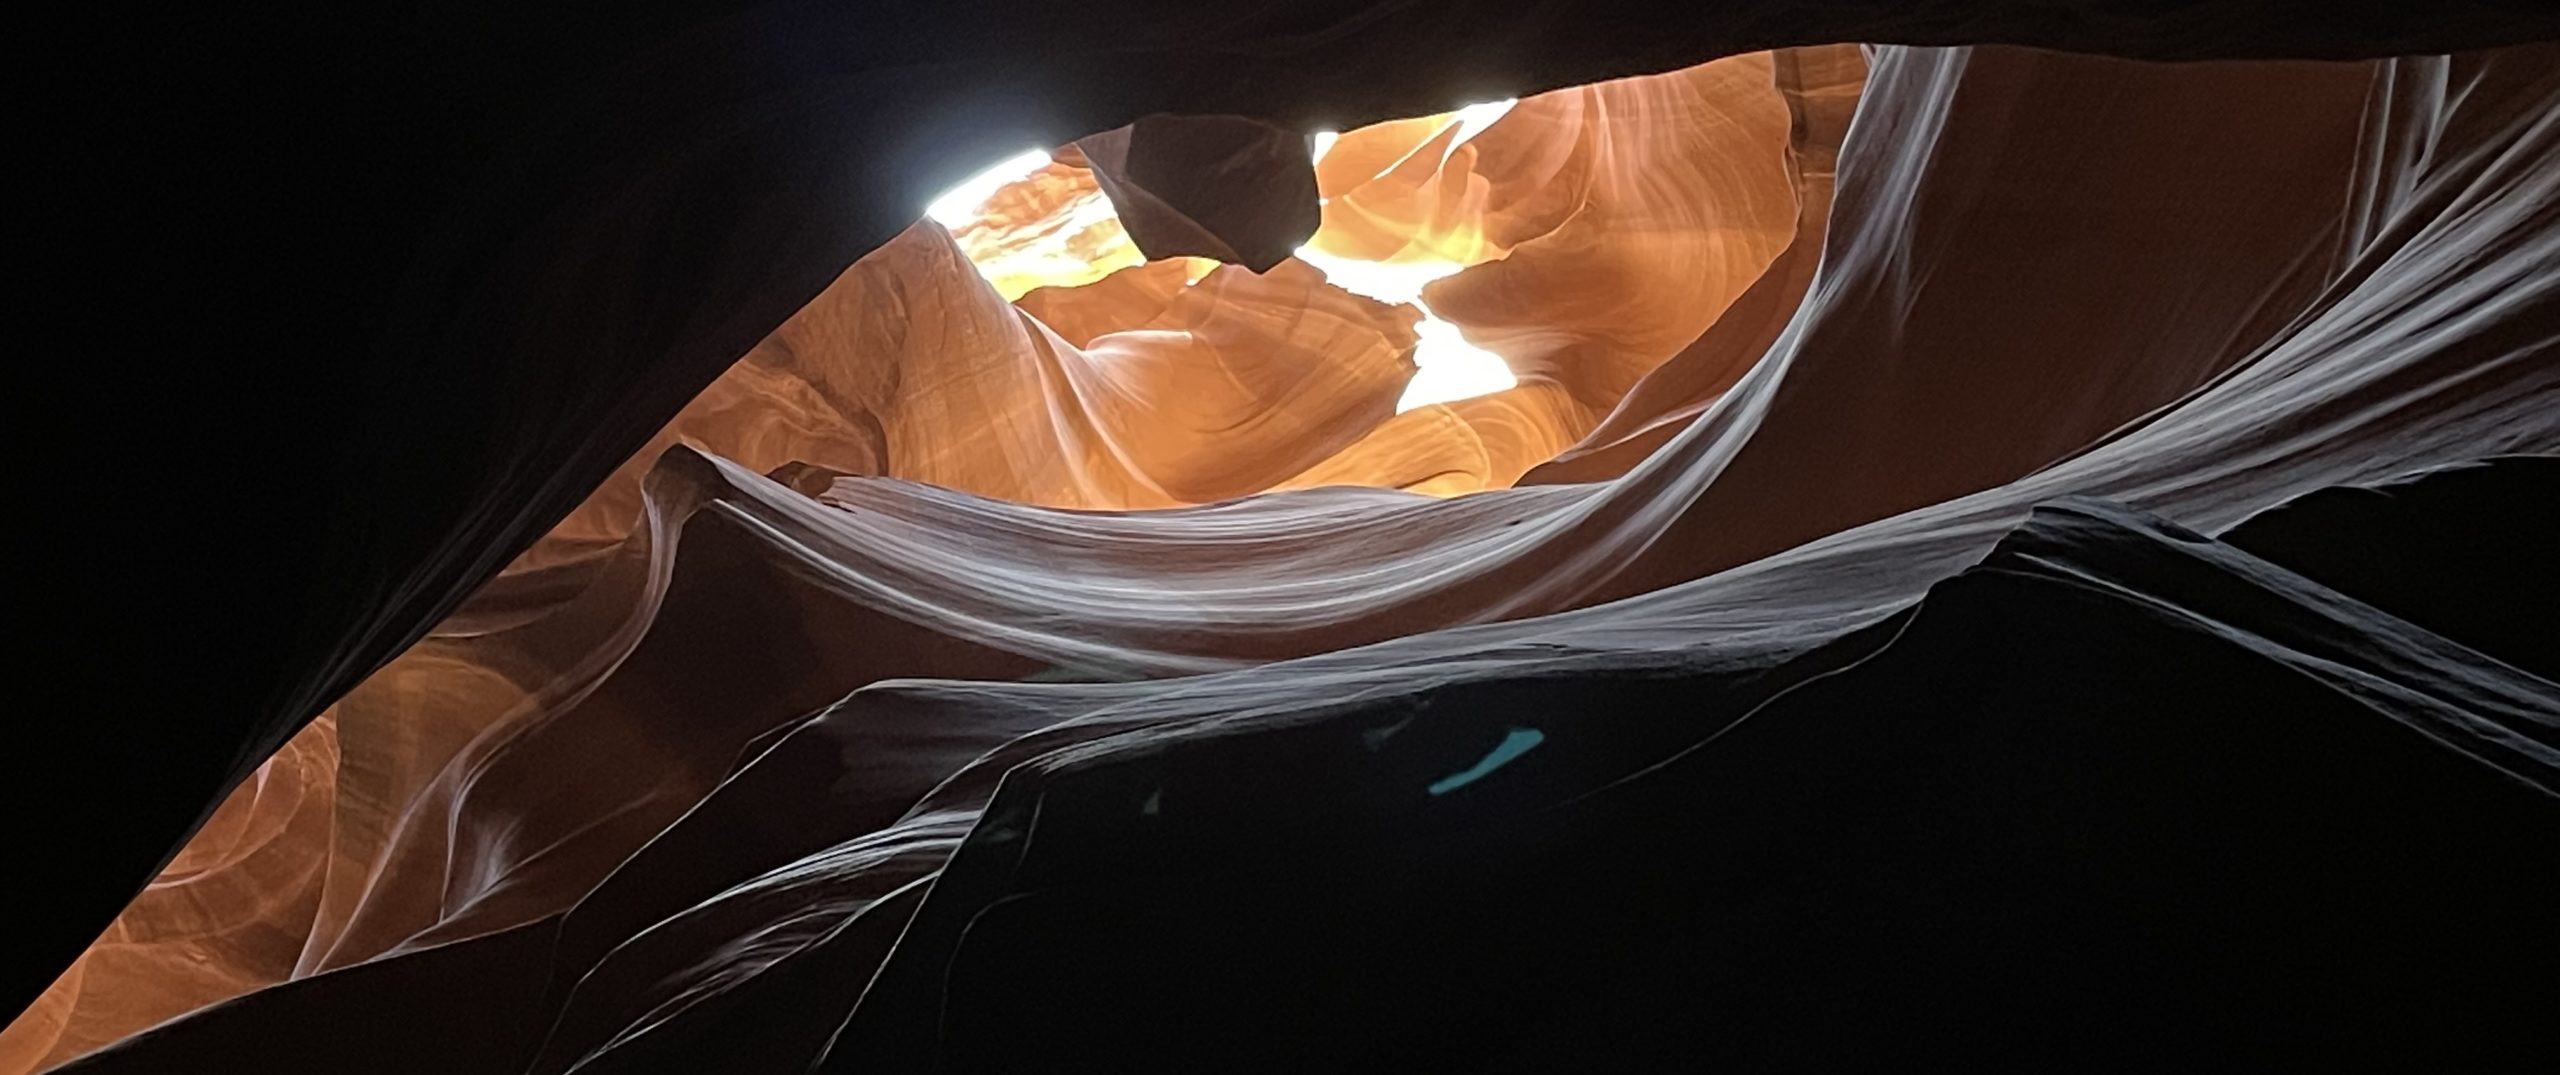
[1985,553]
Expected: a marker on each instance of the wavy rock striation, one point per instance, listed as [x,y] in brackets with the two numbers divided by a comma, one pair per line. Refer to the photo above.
[1830,663]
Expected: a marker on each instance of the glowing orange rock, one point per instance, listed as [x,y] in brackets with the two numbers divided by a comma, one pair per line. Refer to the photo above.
[1047,229]
[1027,352]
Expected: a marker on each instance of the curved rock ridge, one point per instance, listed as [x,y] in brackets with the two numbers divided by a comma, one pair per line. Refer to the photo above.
[734,742]
[1592,233]
[375,301]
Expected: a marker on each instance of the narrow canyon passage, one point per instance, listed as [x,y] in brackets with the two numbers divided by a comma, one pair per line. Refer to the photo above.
[1610,552]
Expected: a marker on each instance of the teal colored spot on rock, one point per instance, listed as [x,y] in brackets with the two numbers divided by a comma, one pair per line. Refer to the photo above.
[1512,746]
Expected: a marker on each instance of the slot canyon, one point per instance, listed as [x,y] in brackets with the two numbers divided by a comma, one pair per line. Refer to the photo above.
[1328,535]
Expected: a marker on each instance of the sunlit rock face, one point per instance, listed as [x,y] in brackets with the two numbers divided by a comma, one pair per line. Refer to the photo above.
[1485,286]
[1016,344]
[1012,523]
[1034,221]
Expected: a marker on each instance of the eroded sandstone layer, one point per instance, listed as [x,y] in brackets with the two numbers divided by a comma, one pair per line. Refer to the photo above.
[1831,596]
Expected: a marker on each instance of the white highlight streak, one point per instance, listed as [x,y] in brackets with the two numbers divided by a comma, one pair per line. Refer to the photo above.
[1447,366]
[1473,119]
[959,205]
